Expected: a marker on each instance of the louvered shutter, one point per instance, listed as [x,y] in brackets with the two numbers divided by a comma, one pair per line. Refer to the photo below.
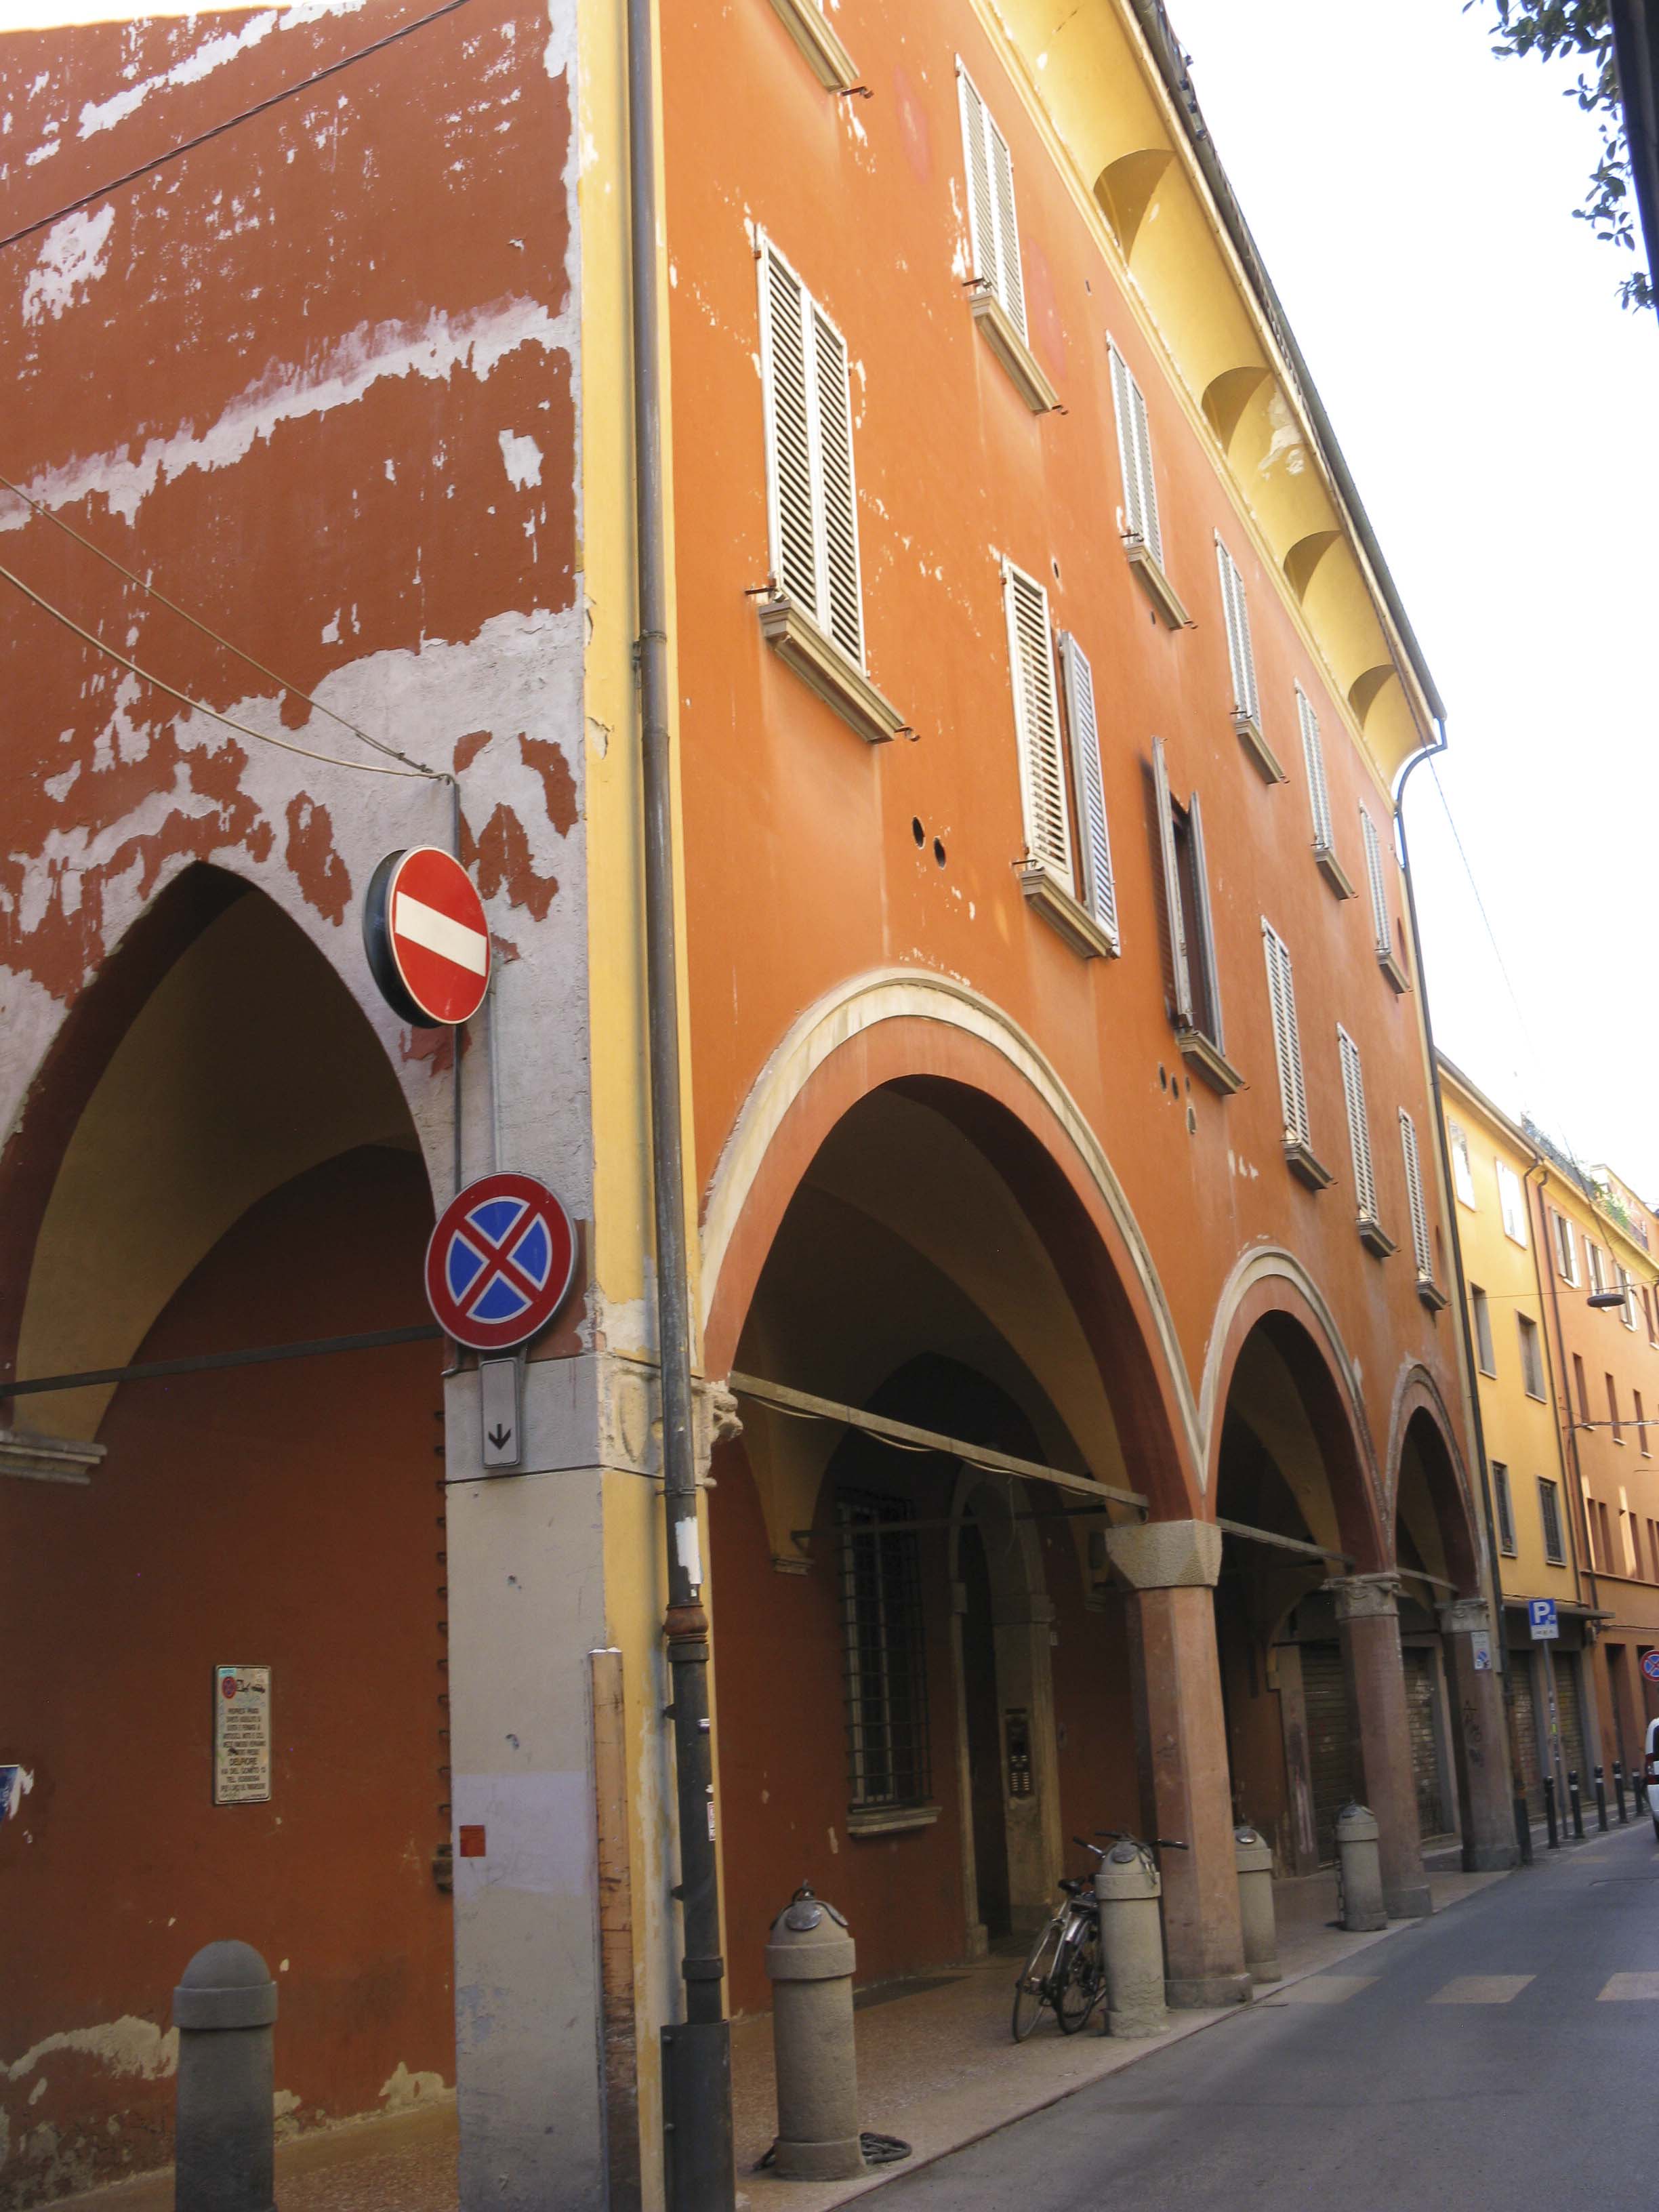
[1235,610]
[840,597]
[1135,453]
[1287,1042]
[1153,530]
[1036,724]
[1313,754]
[1420,1246]
[1180,977]
[1360,1135]
[1379,888]
[1209,1013]
[1099,893]
[1010,283]
[789,432]
[982,235]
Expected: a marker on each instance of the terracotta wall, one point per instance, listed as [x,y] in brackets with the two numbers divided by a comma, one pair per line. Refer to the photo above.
[288,1515]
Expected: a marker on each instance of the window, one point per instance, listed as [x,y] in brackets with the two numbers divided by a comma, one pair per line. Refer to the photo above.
[887,1760]
[1549,1512]
[1629,1289]
[1381,929]
[1582,1389]
[1247,704]
[1422,1249]
[1647,1310]
[1627,1534]
[1604,1531]
[1049,874]
[1483,1351]
[993,237]
[1566,1249]
[810,28]
[1500,1485]
[1532,1358]
[1288,1053]
[1359,1140]
[1463,1174]
[1512,1204]
[1143,534]
[1641,1421]
[1599,1280]
[1196,996]
[814,616]
[1613,1412]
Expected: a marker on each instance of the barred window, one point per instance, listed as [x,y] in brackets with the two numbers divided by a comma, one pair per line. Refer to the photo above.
[886,1679]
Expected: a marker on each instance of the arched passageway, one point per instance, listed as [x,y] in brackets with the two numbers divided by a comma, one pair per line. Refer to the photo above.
[234,1169]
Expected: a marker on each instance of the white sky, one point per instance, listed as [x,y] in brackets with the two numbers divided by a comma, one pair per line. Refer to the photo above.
[1412,195]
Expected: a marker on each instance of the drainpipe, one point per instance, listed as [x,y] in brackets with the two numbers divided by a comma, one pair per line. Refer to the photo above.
[697,2095]
[1466,1336]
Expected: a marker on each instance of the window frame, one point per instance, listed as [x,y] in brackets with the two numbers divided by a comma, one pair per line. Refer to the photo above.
[1193,974]
[1549,1517]
[890,1538]
[1533,1379]
[1503,1506]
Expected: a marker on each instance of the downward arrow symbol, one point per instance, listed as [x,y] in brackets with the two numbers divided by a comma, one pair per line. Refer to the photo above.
[498,1436]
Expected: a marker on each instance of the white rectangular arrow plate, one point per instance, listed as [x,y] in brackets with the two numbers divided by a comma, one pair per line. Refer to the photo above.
[498,1401]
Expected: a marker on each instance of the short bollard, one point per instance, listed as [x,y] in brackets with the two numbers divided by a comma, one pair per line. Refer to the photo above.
[1254,1860]
[1575,1801]
[1619,1794]
[1549,1812]
[1127,1888]
[810,1957]
[1601,1801]
[1359,1870]
[224,2009]
[1523,1827]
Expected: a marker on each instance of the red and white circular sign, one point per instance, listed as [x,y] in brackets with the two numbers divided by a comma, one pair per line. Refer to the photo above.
[426,937]
[500,1262]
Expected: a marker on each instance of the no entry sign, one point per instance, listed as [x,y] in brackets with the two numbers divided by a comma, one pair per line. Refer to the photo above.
[425,936]
[499,1262]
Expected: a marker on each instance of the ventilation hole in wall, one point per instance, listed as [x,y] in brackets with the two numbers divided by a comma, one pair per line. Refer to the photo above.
[1054,565]
[1151,616]
[939,852]
[1192,1122]
[1163,1076]
[916,829]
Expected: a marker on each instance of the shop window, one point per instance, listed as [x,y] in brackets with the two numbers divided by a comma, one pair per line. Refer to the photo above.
[887,1737]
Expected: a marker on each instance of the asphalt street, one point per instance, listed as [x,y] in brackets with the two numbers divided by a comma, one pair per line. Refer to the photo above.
[1502,2055]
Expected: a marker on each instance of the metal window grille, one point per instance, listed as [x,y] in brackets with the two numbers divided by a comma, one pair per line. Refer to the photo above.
[1550,1512]
[1500,1477]
[886,1677]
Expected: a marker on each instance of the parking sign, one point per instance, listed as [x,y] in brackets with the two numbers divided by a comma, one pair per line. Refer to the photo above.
[1541,1619]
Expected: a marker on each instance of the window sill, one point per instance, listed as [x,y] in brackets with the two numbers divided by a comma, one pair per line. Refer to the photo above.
[1208,1061]
[826,669]
[1432,1295]
[1262,756]
[1065,914]
[1391,967]
[1538,1399]
[1376,1238]
[1299,1159]
[809,27]
[997,328]
[1156,584]
[1491,1373]
[1333,871]
[889,1820]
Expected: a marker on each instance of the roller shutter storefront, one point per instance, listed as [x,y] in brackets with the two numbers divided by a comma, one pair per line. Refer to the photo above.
[1422,1695]
[1325,1695]
[1520,1704]
[1571,1715]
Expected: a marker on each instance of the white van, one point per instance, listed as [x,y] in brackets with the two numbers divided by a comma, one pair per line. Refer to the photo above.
[1650,1771]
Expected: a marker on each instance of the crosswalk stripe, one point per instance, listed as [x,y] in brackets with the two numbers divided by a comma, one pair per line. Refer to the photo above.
[1325,1989]
[1622,1988]
[1482,1989]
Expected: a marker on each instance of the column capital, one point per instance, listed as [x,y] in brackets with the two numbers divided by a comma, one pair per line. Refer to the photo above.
[1365,1597]
[1466,1616]
[1166,1554]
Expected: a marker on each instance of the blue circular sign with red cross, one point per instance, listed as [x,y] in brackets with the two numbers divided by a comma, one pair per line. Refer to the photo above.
[499,1262]
[1651,1665]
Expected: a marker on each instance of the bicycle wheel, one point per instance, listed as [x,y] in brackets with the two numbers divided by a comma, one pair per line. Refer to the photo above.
[1031,1990]
[1077,1977]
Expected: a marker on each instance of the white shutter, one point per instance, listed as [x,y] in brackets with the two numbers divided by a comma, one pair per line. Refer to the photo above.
[1287,1042]
[1180,976]
[812,495]
[1360,1134]
[1135,448]
[1209,1012]
[1379,888]
[1010,283]
[993,221]
[1421,1248]
[1236,610]
[1313,753]
[1036,725]
[1099,894]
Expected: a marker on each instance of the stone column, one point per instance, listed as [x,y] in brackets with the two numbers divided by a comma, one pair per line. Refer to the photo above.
[1368,1622]
[1180,1733]
[1480,1735]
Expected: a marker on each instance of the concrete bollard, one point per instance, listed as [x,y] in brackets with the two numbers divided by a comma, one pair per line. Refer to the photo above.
[224,2009]
[1254,1859]
[1360,1869]
[810,1958]
[1127,1888]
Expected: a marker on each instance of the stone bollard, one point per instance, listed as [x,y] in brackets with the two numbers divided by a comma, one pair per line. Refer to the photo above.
[810,1958]
[1254,1859]
[224,2009]
[1127,1888]
[1360,1869]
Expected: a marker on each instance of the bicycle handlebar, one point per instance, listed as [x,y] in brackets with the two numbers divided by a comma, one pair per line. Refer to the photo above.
[1088,1846]
[1123,1836]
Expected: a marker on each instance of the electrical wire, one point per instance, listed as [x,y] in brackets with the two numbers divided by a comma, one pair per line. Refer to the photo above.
[207,630]
[199,706]
[245,115]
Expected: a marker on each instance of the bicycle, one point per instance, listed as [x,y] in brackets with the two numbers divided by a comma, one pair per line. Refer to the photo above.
[1063,1973]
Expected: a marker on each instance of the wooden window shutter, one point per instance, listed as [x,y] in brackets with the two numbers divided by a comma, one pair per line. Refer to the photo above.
[1287,1043]
[1236,610]
[1423,1250]
[1313,753]
[1210,1012]
[1011,282]
[1360,1135]
[1135,448]
[1180,975]
[841,596]
[1099,893]
[1036,725]
[1379,886]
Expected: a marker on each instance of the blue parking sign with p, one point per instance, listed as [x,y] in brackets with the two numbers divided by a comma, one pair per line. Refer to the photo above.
[1541,1619]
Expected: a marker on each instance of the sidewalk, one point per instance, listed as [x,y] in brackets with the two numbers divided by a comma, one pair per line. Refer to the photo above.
[937,2064]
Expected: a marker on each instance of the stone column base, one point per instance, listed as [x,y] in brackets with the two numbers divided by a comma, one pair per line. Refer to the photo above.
[1491,1858]
[1142,2019]
[1203,1993]
[1414,1902]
